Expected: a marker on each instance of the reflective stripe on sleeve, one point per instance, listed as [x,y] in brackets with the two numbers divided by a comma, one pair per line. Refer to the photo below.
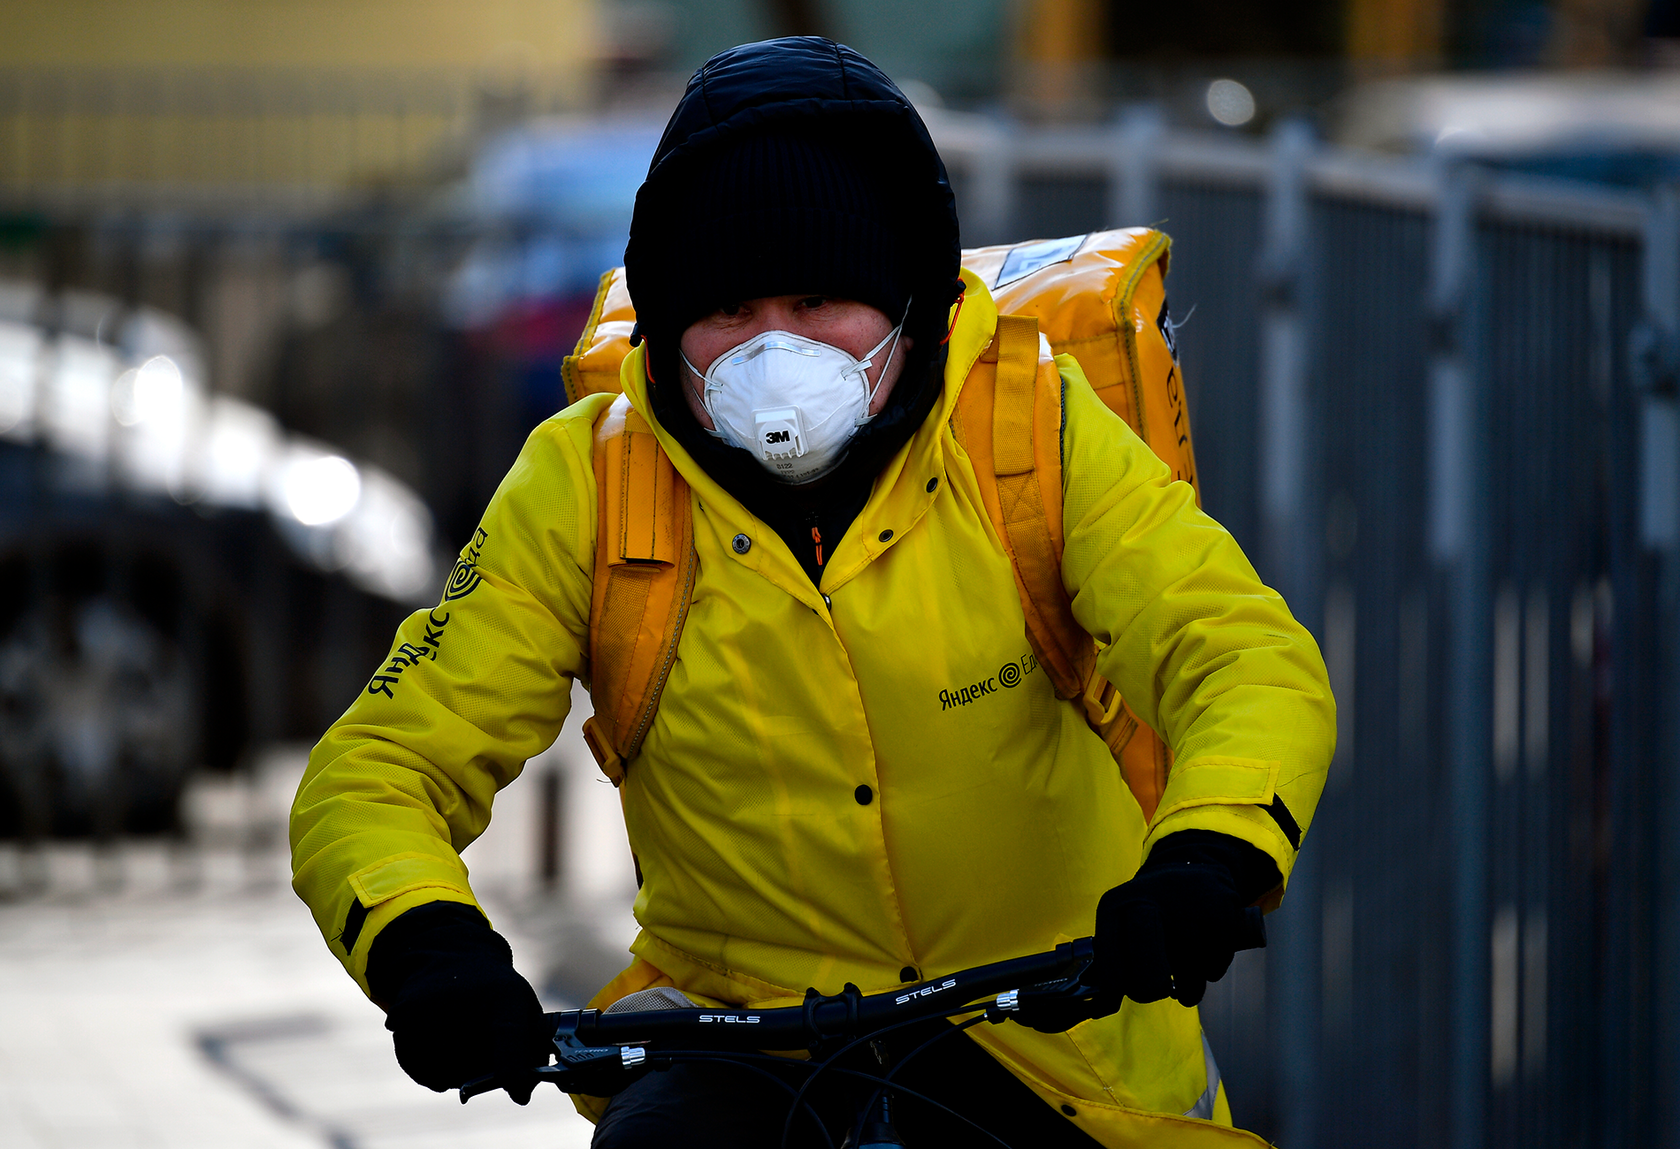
[1204,1104]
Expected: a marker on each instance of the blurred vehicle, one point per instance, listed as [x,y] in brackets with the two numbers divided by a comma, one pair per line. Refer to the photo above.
[1605,127]
[549,206]
[551,200]
[180,579]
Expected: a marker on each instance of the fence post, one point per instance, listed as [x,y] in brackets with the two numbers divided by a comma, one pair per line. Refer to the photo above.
[1292,559]
[989,217]
[1655,363]
[1460,549]
[1134,168]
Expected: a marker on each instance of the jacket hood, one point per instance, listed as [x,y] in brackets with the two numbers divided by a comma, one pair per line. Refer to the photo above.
[802,84]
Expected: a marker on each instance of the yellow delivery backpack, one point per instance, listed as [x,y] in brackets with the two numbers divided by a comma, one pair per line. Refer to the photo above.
[1099,297]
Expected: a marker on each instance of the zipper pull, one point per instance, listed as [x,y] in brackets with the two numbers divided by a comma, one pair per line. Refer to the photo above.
[816,536]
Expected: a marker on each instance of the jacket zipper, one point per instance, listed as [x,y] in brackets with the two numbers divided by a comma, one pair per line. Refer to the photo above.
[816,536]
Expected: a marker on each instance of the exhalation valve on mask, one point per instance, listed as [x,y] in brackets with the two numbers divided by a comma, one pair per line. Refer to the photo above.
[793,402]
[780,433]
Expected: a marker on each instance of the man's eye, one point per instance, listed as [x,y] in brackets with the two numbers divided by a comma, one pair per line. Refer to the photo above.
[731,310]
[811,302]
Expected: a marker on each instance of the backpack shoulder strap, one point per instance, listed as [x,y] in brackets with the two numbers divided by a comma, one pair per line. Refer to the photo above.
[1010,415]
[1011,412]
[645,563]
[593,364]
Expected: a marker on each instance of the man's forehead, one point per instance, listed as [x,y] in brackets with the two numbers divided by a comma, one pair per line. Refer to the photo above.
[793,299]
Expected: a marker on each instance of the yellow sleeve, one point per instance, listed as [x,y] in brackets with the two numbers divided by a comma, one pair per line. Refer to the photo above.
[472,688]
[1201,649]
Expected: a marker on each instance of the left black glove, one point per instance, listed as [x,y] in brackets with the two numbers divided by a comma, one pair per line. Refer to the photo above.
[456,1008]
[1176,925]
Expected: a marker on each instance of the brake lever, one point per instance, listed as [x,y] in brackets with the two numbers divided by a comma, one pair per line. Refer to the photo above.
[1051,1006]
[592,1066]
[1057,1005]
[489,1084]
[473,1088]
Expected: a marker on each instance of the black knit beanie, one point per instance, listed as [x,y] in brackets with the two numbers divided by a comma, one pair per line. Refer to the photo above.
[773,212]
[795,166]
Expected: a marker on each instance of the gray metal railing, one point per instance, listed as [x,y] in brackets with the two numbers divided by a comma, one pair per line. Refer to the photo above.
[1437,405]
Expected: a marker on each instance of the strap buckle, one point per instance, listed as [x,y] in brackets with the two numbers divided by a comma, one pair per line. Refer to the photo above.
[612,763]
[1102,702]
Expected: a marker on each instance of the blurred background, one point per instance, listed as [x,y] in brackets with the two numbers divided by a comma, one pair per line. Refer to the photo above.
[284,285]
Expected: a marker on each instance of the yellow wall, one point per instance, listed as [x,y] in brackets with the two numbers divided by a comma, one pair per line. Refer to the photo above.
[137,98]
[290,33]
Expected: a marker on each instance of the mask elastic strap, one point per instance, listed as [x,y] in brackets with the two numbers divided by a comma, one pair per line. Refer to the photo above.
[700,396]
[892,335]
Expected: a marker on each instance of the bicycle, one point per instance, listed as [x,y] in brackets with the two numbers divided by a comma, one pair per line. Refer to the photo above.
[602,1052]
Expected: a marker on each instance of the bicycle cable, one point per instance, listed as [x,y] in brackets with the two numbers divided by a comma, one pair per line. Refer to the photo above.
[745,1061]
[906,1059]
[922,1097]
[829,1062]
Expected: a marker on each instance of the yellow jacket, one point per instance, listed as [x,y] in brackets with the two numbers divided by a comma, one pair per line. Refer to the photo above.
[995,819]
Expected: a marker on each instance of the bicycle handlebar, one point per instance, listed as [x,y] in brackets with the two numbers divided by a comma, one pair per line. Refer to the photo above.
[843,1015]
[589,1041]
[615,1046]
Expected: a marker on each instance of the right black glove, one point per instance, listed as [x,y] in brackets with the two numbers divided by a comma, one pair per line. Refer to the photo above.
[456,1008]
[1176,925]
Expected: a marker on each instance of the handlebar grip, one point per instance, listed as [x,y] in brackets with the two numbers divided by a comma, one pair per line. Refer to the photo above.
[1251,934]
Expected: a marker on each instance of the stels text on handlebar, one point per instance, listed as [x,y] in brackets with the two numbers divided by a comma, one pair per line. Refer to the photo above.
[601,1053]
[596,1050]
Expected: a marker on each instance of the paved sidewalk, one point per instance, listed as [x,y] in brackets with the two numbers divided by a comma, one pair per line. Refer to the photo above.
[208,1014]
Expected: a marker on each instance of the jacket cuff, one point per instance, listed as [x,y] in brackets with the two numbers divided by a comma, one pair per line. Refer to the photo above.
[422,933]
[1246,822]
[382,892]
[1253,873]
[389,911]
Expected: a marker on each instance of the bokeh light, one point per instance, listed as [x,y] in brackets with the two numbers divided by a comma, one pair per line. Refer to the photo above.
[320,490]
[1230,102]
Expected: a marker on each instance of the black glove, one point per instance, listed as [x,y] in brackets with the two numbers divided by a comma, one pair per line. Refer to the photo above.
[454,1004]
[1176,925]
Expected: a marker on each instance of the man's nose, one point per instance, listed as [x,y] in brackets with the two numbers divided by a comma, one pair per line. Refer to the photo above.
[775,315]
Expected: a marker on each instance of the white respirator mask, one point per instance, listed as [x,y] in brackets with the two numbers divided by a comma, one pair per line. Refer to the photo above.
[793,403]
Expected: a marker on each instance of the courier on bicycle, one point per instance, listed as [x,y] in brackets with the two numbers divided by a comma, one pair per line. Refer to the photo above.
[813,537]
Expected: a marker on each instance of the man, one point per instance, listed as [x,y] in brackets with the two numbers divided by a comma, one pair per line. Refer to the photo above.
[804,811]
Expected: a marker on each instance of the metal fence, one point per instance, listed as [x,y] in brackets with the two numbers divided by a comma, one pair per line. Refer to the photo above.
[1436,404]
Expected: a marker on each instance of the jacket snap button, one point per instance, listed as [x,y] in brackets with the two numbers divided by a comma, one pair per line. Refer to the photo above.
[741,543]
[885,535]
[1070,1111]
[932,483]
[828,602]
[864,795]
[908,973]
